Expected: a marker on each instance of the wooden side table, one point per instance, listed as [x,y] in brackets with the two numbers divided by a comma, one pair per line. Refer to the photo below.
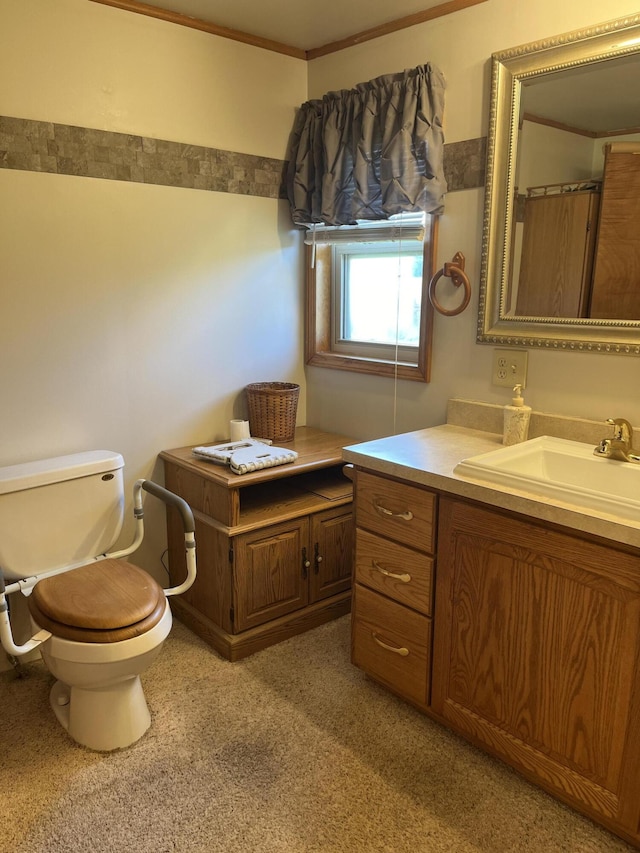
[274,547]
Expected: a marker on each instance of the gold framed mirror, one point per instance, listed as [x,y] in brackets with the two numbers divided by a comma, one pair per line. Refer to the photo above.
[561,112]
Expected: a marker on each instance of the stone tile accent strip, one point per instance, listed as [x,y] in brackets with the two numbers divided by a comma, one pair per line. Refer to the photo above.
[465,164]
[40,146]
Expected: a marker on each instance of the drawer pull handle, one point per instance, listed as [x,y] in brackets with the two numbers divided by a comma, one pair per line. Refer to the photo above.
[407,515]
[398,651]
[404,577]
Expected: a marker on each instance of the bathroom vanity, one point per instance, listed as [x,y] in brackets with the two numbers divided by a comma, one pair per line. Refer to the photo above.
[511,619]
[274,547]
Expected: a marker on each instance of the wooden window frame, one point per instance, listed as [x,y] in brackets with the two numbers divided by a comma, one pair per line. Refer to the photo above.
[318,350]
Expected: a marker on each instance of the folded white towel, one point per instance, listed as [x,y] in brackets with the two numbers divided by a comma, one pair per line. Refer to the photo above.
[246,456]
[223,452]
[249,459]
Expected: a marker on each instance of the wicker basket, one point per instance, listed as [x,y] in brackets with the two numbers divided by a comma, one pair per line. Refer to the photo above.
[272,410]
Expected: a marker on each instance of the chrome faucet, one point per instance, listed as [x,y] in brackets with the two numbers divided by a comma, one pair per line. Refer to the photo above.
[621,445]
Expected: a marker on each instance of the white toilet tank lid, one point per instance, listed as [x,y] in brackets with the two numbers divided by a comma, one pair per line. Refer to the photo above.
[28,475]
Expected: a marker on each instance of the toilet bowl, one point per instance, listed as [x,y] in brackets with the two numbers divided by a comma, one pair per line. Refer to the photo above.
[107,621]
[99,621]
[98,696]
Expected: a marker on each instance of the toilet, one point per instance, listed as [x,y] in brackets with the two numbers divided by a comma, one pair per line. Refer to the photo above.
[99,620]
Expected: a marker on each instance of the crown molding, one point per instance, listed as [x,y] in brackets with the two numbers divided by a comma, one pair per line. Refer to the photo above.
[288,50]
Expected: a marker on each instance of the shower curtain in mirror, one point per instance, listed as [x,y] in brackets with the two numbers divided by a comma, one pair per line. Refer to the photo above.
[369,152]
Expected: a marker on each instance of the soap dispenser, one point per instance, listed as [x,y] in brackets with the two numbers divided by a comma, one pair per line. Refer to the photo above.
[516,419]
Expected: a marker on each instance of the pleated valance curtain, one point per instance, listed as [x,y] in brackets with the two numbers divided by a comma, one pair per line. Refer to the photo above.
[369,152]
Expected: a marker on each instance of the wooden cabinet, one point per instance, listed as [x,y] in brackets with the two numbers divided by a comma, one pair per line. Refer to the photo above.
[536,655]
[557,254]
[616,275]
[332,555]
[283,567]
[531,649]
[270,579]
[392,604]
[392,643]
[274,548]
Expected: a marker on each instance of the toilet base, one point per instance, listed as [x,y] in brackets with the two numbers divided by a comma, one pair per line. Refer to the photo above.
[102,719]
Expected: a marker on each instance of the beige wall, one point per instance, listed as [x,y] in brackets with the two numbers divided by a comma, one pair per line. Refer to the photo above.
[82,63]
[553,156]
[595,386]
[132,316]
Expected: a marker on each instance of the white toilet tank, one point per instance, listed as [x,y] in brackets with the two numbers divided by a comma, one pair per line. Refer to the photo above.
[60,511]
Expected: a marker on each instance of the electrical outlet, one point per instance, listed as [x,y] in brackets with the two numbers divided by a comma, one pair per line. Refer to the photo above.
[509,367]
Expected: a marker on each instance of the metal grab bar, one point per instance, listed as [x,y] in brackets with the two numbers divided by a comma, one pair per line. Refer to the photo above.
[6,635]
[170,499]
[25,585]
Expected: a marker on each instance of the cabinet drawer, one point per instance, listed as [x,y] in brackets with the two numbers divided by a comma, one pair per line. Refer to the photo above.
[397,510]
[396,571]
[392,644]
[203,495]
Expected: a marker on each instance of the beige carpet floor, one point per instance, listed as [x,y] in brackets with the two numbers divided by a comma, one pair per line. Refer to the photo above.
[292,750]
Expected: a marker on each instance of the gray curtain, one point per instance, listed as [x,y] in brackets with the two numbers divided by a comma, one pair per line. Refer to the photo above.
[369,152]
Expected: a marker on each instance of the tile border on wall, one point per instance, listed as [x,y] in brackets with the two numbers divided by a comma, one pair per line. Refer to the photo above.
[465,164]
[41,146]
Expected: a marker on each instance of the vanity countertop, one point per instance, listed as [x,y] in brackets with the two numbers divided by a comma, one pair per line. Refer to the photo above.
[428,456]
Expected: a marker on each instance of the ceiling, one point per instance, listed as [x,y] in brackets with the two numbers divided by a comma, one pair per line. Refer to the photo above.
[582,97]
[296,23]
[579,98]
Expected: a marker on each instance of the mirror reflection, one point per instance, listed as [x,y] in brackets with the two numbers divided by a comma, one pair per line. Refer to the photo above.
[576,234]
[561,234]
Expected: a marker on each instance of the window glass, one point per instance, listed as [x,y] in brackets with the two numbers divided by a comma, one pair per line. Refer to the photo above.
[368,308]
[378,295]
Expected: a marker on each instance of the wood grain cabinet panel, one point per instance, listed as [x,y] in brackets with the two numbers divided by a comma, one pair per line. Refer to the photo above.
[331,551]
[557,254]
[392,643]
[616,274]
[398,511]
[533,653]
[270,579]
[400,573]
[391,628]
[274,548]
[537,644]
[287,566]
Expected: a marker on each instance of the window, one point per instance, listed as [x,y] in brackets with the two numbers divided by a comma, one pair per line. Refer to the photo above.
[376,299]
[368,308]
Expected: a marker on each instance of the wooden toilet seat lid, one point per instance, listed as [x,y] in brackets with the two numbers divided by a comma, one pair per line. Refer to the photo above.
[101,602]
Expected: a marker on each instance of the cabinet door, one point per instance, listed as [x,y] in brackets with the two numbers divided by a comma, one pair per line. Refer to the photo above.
[270,575]
[616,275]
[557,255]
[331,549]
[536,653]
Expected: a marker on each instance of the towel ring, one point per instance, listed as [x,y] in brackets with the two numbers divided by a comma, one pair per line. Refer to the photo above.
[455,271]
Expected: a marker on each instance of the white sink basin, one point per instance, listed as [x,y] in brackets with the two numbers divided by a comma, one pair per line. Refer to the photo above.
[555,468]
